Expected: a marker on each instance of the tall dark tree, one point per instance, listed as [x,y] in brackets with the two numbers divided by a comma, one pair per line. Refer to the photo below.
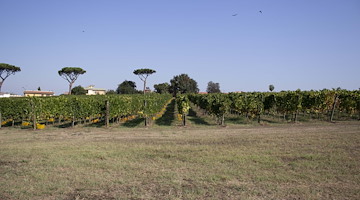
[143,75]
[271,88]
[213,87]
[71,74]
[6,70]
[127,87]
[78,90]
[183,84]
[162,88]
[109,92]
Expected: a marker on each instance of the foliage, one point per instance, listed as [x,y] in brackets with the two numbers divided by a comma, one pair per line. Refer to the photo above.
[6,70]
[215,104]
[292,102]
[350,102]
[183,84]
[127,87]
[143,75]
[213,87]
[110,92]
[254,104]
[77,108]
[144,72]
[269,101]
[78,90]
[183,105]
[162,88]
[71,74]
[271,88]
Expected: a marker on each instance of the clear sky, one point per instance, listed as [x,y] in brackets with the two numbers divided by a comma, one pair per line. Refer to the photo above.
[292,44]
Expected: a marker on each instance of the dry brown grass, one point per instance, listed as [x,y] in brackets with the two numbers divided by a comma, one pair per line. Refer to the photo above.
[288,161]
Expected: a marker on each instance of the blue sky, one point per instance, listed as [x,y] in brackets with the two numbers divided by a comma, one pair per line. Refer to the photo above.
[297,44]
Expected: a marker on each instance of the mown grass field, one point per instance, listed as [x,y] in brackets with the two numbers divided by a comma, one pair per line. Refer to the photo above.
[286,161]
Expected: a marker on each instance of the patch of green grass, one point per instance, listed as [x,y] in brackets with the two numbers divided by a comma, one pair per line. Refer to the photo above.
[295,161]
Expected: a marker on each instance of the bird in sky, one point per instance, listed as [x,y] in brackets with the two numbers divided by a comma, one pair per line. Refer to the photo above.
[234,15]
[260,11]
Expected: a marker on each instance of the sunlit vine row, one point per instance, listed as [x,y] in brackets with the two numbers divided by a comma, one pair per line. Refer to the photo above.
[87,109]
[255,104]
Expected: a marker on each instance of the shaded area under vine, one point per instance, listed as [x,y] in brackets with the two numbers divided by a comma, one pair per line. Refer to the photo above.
[168,117]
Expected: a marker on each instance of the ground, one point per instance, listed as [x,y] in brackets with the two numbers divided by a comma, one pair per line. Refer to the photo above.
[273,161]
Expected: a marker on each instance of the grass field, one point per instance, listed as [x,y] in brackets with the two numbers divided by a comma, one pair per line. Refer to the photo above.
[282,161]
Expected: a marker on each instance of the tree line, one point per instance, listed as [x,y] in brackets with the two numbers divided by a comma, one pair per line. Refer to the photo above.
[179,84]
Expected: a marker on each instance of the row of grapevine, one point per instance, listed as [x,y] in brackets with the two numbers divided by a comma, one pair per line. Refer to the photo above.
[215,104]
[254,104]
[183,106]
[80,108]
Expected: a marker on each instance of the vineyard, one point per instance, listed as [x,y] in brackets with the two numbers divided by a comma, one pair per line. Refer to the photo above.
[187,153]
[37,112]
[287,104]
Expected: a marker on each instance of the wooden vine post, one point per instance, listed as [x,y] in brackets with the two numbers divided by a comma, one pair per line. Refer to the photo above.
[107,113]
[146,117]
[183,107]
[184,120]
[73,121]
[33,114]
[333,107]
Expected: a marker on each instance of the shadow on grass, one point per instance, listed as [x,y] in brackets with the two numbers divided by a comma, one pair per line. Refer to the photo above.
[195,119]
[134,122]
[243,120]
[64,125]
[270,121]
[68,124]
[99,124]
[10,124]
[168,117]
[237,120]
